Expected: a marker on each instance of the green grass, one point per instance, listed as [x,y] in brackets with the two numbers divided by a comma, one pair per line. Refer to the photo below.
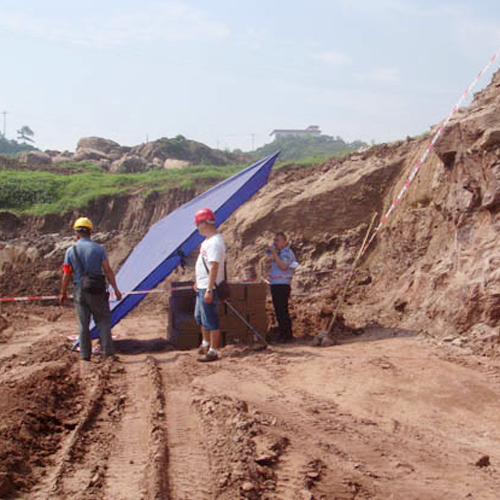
[41,193]
[75,185]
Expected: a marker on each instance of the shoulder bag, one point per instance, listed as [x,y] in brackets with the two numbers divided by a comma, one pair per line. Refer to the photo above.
[95,284]
[222,288]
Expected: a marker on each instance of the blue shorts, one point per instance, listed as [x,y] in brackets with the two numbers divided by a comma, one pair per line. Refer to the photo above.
[206,315]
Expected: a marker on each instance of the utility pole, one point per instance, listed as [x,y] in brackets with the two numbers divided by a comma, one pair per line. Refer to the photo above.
[4,113]
[253,142]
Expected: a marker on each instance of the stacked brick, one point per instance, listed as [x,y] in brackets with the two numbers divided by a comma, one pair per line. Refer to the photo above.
[249,298]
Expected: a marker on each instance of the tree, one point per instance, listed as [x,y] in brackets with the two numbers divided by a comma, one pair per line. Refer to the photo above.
[25,134]
[12,147]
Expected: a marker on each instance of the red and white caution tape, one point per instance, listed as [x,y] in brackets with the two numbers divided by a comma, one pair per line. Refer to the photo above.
[112,297]
[429,148]
[29,299]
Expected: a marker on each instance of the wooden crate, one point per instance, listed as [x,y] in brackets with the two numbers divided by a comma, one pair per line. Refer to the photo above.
[256,293]
[237,291]
[249,298]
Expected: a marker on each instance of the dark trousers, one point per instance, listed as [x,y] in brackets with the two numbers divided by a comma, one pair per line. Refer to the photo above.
[280,295]
[88,305]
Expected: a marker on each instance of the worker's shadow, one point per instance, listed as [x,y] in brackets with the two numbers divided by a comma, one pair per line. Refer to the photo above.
[146,346]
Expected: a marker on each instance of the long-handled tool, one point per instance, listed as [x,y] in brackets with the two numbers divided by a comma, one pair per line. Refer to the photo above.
[243,319]
[355,263]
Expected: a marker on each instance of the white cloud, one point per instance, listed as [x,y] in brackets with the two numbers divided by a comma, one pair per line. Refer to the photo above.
[254,38]
[384,8]
[384,75]
[162,21]
[475,35]
[331,57]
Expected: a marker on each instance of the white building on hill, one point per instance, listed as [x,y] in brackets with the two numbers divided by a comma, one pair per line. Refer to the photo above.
[312,130]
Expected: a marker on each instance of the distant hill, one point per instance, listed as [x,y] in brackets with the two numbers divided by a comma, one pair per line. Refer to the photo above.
[106,155]
[297,148]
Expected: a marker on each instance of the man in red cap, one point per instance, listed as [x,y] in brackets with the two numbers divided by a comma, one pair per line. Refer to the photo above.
[209,273]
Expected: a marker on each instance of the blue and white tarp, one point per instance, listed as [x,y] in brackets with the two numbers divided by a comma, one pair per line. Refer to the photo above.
[175,236]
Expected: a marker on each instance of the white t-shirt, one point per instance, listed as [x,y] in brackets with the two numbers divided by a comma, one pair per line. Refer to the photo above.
[213,249]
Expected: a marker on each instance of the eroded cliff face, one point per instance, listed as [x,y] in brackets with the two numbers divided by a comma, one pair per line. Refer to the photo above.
[433,267]
[438,259]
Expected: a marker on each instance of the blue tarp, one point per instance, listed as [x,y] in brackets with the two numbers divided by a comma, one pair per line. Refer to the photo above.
[160,251]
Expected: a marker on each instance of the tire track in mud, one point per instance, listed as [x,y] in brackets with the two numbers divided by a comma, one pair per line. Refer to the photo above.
[118,449]
[304,419]
[154,478]
[289,474]
[189,474]
[71,445]
[131,463]
[80,464]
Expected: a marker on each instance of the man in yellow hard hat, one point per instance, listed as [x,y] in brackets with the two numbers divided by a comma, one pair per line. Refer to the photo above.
[88,263]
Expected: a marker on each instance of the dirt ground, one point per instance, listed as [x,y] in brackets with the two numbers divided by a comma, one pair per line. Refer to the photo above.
[385,414]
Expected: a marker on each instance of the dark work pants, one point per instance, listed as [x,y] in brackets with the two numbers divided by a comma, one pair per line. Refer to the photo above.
[88,305]
[280,295]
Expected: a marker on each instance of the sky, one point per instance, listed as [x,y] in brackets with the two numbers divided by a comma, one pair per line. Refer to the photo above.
[228,73]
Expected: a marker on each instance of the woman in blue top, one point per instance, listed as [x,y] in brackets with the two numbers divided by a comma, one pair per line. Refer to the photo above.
[280,277]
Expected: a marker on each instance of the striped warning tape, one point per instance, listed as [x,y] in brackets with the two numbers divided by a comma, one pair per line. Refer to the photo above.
[112,297]
[429,148]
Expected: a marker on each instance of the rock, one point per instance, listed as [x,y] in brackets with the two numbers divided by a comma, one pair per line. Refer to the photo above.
[61,159]
[327,341]
[313,474]
[490,137]
[319,337]
[242,406]
[3,323]
[247,486]
[88,154]
[172,163]
[449,338]
[266,457]
[99,144]
[46,275]
[35,158]
[400,305]
[52,152]
[6,485]
[326,311]
[95,479]
[492,337]
[459,342]
[484,461]
[128,164]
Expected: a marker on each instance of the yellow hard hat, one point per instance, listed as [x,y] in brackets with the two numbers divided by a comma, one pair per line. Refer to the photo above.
[82,222]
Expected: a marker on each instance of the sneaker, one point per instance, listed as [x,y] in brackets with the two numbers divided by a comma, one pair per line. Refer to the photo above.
[203,349]
[208,357]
